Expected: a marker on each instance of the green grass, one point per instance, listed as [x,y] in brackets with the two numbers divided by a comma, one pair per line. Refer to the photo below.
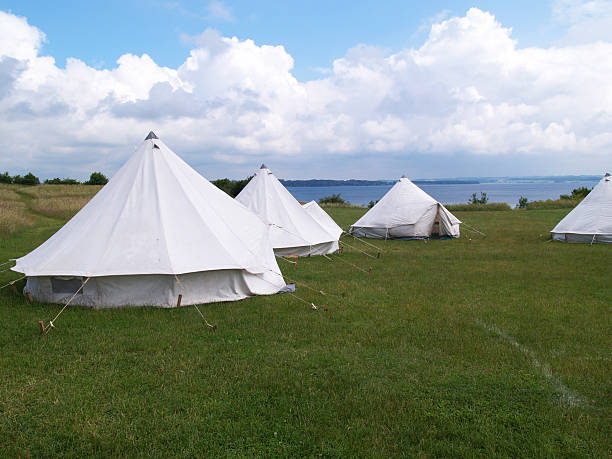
[467,347]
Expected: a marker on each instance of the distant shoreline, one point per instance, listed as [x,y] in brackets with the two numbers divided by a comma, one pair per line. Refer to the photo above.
[462,181]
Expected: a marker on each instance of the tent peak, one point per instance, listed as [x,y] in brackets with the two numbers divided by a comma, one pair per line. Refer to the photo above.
[263,166]
[607,174]
[403,176]
[151,136]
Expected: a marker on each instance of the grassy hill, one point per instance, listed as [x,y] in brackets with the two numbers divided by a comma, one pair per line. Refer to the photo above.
[481,346]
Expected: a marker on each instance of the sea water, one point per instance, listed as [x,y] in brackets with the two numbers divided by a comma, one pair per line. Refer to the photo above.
[447,194]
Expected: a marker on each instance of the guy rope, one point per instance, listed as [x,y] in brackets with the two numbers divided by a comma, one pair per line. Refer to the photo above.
[473,229]
[45,329]
[6,262]
[358,250]
[349,263]
[13,282]
[365,242]
[178,281]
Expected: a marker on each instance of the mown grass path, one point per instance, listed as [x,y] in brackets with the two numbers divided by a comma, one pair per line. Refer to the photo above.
[27,238]
[494,346]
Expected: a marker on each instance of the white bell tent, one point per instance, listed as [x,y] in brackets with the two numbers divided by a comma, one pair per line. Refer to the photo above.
[406,212]
[293,232]
[157,230]
[323,219]
[591,220]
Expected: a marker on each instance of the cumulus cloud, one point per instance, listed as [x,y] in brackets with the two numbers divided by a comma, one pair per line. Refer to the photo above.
[19,39]
[468,89]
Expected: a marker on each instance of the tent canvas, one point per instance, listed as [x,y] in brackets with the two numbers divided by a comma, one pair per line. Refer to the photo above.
[157,230]
[323,218]
[406,212]
[293,232]
[591,220]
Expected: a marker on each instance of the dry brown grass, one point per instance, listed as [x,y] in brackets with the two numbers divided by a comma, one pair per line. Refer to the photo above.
[12,211]
[53,191]
[63,207]
[60,201]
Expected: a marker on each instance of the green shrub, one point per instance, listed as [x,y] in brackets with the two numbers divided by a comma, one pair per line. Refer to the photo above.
[373,203]
[333,199]
[565,201]
[97,178]
[561,203]
[483,199]
[478,207]
[577,193]
[522,203]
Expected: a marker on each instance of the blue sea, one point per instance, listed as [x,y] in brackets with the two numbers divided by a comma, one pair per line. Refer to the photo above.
[448,194]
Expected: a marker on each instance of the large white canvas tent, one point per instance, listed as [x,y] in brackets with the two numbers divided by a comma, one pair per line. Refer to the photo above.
[406,212]
[323,218]
[157,230]
[591,220]
[293,232]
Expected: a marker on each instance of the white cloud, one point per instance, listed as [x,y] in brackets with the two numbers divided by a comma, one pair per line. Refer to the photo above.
[587,20]
[217,10]
[19,39]
[467,90]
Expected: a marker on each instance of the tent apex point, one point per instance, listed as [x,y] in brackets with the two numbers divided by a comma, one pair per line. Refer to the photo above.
[263,166]
[151,136]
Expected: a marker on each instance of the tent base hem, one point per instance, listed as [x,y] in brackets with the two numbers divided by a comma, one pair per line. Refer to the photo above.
[399,233]
[583,238]
[307,250]
[159,290]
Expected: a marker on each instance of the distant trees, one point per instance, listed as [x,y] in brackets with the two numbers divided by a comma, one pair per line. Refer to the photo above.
[6,178]
[28,179]
[522,203]
[96,178]
[59,181]
[231,187]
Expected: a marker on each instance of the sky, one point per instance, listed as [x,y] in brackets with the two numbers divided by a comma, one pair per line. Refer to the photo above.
[343,89]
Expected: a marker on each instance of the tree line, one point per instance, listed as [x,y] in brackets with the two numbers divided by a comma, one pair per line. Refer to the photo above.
[96,178]
[231,187]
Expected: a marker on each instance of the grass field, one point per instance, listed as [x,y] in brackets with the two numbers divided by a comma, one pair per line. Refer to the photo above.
[482,346]
[59,201]
[13,215]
